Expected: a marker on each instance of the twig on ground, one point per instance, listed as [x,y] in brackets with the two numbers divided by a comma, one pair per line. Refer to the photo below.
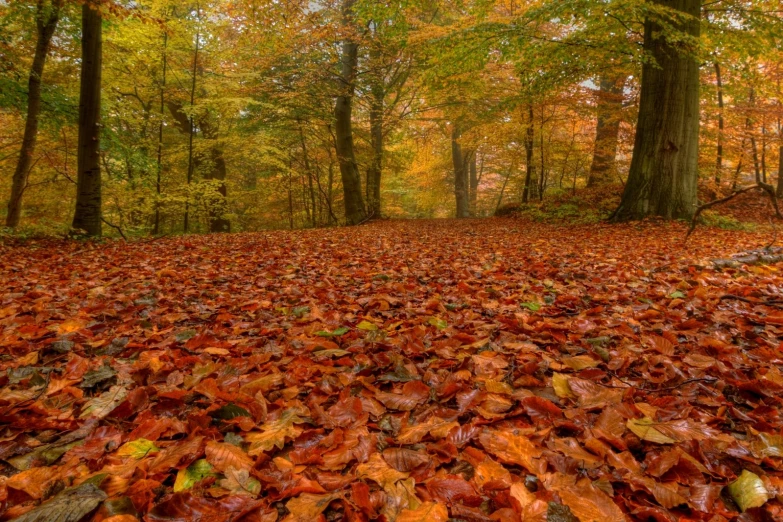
[778,304]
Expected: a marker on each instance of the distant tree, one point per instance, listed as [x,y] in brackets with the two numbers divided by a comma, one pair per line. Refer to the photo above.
[88,185]
[46,17]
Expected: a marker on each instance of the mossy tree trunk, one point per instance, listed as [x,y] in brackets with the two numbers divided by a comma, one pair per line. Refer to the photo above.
[46,18]
[664,170]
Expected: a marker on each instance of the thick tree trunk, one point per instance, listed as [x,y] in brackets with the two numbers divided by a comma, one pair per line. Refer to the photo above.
[603,170]
[531,182]
[352,183]
[460,174]
[46,22]
[664,170]
[376,138]
[721,126]
[88,185]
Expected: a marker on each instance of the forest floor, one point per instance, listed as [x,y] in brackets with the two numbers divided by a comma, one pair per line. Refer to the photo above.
[481,370]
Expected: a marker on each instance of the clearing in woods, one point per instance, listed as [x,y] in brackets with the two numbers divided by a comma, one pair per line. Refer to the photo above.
[477,370]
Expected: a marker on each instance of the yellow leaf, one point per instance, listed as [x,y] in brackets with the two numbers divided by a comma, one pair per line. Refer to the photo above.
[138,449]
[275,433]
[748,491]
[499,387]
[427,512]
[643,428]
[580,362]
[377,470]
[367,325]
[561,386]
[307,507]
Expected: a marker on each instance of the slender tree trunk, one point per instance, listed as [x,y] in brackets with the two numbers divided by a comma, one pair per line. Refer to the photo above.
[306,159]
[376,138]
[46,18]
[330,192]
[460,173]
[352,183]
[607,131]
[531,182]
[156,229]
[88,185]
[664,170]
[192,126]
[721,125]
[543,175]
[290,195]
[503,190]
[779,190]
[764,151]
[754,149]
[474,182]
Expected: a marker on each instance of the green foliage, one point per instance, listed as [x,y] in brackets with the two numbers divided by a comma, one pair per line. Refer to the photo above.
[713,218]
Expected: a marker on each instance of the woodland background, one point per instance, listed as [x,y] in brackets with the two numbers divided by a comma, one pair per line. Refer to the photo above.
[532,100]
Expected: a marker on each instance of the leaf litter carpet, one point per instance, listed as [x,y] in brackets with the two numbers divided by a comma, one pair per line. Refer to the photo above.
[401,371]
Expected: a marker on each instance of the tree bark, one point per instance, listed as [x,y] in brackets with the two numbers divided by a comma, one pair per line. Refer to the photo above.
[46,18]
[460,173]
[88,185]
[191,126]
[664,169]
[531,183]
[376,137]
[721,126]
[352,183]
[603,170]
[474,182]
[161,125]
[779,190]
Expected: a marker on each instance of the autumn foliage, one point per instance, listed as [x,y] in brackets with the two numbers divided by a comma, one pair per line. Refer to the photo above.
[478,370]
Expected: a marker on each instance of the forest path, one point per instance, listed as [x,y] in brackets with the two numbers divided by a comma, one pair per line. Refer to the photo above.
[410,368]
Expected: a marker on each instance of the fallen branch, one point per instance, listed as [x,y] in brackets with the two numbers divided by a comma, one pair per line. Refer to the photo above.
[767,256]
[711,204]
[115,227]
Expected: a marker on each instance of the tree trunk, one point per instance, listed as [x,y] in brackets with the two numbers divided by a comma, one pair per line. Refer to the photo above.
[531,183]
[217,172]
[460,173]
[543,174]
[46,22]
[664,170]
[88,185]
[721,125]
[352,183]
[306,159]
[161,125]
[215,161]
[603,170]
[474,182]
[191,125]
[376,138]
[779,190]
